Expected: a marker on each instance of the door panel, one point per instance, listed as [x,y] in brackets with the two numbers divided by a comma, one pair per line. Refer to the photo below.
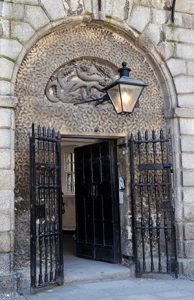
[97,207]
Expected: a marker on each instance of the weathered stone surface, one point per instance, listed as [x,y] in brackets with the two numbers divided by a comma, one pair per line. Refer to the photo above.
[187,143]
[6,140]
[5,87]
[189,212]
[179,35]
[139,13]
[21,31]
[5,242]
[7,181]
[12,10]
[187,126]
[188,178]
[188,160]
[35,16]
[186,6]
[189,232]
[10,48]
[6,68]
[6,198]
[55,12]
[6,159]
[189,249]
[187,266]
[121,9]
[184,84]
[6,262]
[152,3]
[186,100]
[5,28]
[185,51]
[159,16]
[88,5]
[154,32]
[190,67]
[166,49]
[183,20]
[26,1]
[8,101]
[5,118]
[5,221]
[177,66]
[76,7]
[188,195]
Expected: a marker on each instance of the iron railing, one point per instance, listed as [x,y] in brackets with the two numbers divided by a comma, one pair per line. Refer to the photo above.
[154,236]
[46,210]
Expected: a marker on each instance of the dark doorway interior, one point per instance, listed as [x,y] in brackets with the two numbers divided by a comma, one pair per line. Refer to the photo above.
[97,230]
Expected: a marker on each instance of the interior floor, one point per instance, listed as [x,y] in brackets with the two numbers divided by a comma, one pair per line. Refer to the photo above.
[81,269]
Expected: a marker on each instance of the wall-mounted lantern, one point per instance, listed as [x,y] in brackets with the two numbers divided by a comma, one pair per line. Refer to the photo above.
[123,93]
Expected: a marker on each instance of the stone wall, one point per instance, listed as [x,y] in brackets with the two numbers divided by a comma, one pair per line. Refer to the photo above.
[171,46]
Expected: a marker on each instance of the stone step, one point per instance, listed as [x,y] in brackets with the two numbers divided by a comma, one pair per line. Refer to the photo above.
[78,270]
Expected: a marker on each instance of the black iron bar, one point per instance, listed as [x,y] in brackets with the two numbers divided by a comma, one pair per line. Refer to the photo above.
[157,199]
[162,146]
[150,221]
[46,225]
[141,205]
[33,235]
[133,204]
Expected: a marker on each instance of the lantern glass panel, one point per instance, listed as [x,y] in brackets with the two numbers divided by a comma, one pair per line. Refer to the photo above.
[114,94]
[129,96]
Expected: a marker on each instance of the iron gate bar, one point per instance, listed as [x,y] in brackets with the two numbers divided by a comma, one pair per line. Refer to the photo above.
[46,210]
[153,222]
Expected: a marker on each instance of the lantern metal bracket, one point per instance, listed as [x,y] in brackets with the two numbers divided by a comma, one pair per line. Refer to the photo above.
[99,100]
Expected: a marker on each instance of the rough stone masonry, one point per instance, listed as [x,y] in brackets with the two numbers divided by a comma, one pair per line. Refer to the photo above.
[170,45]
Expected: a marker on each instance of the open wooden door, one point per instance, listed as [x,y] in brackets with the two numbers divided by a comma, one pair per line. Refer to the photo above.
[97,204]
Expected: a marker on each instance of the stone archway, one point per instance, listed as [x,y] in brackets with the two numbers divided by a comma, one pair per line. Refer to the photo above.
[101,50]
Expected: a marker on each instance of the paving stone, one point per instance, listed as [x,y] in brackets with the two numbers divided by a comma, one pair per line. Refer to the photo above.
[131,289]
[178,294]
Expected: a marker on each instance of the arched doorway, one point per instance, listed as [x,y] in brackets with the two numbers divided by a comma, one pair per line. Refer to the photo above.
[70,64]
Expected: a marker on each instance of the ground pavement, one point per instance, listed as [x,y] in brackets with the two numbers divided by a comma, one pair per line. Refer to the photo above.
[130,289]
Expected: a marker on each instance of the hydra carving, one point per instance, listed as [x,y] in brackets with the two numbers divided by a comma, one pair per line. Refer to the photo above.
[79,81]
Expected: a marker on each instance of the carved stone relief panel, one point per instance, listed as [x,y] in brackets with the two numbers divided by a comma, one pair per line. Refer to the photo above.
[79,81]
[66,66]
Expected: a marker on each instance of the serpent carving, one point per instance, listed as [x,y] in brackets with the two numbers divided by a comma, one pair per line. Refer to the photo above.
[80,81]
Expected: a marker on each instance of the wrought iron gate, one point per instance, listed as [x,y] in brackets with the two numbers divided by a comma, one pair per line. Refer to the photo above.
[46,227]
[154,237]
